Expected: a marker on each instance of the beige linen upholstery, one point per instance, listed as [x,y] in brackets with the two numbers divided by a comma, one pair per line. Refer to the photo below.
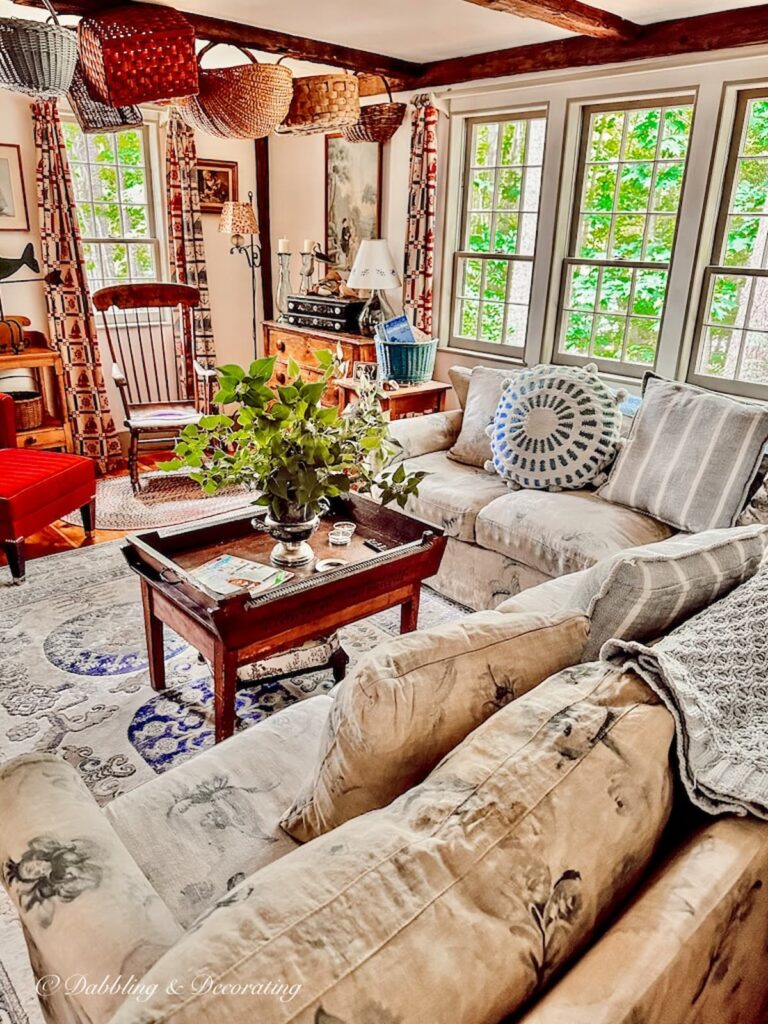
[420,435]
[549,598]
[690,949]
[219,817]
[481,579]
[486,386]
[459,377]
[562,532]
[85,906]
[407,704]
[459,900]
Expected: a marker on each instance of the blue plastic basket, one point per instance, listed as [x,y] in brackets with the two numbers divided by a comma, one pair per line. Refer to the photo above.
[406,362]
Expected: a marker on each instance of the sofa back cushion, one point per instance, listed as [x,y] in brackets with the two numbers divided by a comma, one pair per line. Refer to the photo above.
[642,593]
[690,458]
[486,386]
[461,899]
[410,702]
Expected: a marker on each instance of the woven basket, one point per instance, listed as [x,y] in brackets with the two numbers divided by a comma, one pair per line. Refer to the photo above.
[322,103]
[92,115]
[137,54]
[378,122]
[244,102]
[407,362]
[36,59]
[28,410]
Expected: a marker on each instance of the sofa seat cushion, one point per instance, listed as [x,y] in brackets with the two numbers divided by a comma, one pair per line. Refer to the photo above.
[461,899]
[452,494]
[32,482]
[562,532]
[199,829]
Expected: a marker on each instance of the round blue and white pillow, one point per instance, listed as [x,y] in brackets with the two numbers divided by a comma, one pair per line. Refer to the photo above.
[556,428]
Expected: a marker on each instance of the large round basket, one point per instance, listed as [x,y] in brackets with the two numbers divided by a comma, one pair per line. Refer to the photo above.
[36,59]
[247,101]
[407,362]
[378,122]
[322,103]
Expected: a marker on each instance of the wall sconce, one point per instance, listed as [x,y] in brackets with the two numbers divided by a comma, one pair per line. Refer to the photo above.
[239,221]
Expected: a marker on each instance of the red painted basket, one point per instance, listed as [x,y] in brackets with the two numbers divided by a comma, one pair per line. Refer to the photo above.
[138,54]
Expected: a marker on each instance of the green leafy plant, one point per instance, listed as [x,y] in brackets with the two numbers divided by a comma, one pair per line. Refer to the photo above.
[283,443]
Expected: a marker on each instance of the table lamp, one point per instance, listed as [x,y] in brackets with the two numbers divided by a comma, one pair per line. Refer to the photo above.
[374,268]
[239,221]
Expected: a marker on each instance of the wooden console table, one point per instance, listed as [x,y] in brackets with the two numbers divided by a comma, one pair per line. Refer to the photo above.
[407,400]
[47,369]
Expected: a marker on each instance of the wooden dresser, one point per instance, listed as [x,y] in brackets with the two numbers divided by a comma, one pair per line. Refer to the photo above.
[301,343]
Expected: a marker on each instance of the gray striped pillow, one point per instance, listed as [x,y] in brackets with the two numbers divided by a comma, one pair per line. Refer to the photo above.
[690,458]
[642,593]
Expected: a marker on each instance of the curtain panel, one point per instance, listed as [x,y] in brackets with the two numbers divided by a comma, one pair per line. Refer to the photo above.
[185,230]
[422,205]
[70,314]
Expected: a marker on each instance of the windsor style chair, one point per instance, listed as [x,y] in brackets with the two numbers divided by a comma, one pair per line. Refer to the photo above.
[150,330]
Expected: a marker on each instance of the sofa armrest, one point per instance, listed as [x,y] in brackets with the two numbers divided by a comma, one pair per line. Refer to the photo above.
[87,910]
[421,435]
[7,422]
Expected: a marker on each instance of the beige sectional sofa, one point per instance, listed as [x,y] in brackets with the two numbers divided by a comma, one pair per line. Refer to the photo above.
[501,541]
[546,866]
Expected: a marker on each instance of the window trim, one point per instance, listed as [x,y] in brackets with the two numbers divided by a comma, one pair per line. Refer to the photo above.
[615,367]
[725,385]
[456,341]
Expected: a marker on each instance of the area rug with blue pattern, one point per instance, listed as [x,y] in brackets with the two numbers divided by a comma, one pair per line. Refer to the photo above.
[74,681]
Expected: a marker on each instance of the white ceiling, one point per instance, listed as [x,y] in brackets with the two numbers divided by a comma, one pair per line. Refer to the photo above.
[418,30]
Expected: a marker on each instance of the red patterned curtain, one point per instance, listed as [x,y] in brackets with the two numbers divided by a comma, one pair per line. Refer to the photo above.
[185,229]
[420,243]
[70,315]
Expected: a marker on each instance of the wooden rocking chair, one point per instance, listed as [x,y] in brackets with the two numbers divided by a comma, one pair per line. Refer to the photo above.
[150,332]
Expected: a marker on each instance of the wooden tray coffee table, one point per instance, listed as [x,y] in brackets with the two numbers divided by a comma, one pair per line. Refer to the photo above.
[240,629]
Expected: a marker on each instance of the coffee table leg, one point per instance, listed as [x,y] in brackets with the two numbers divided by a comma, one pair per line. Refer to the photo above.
[153,627]
[409,611]
[224,691]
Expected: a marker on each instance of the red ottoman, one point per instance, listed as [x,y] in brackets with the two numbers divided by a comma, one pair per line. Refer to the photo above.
[36,488]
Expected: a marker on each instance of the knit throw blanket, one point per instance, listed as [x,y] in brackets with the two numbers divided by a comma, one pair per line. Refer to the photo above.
[712,674]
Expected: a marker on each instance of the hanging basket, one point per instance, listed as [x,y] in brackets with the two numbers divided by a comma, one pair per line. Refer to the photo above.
[378,122]
[36,59]
[322,103]
[247,101]
[92,115]
[138,54]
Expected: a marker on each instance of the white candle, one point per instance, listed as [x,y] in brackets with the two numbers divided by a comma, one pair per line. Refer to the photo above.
[283,245]
[309,245]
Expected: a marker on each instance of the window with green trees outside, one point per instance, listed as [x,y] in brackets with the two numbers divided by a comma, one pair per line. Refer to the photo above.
[732,334]
[500,209]
[112,184]
[629,186]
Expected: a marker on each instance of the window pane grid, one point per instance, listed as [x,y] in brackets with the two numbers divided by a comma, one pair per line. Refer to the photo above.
[493,269]
[629,188]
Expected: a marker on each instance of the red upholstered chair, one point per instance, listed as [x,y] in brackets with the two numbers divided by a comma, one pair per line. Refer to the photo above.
[36,488]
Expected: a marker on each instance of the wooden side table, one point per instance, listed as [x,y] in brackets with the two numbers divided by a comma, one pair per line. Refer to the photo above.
[407,400]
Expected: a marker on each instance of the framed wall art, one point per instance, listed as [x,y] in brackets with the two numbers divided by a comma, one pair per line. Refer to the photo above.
[14,215]
[217,184]
[352,197]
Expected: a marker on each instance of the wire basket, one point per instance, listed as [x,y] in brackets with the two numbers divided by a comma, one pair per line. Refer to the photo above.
[36,58]
[322,103]
[92,115]
[378,122]
[407,362]
[137,54]
[247,101]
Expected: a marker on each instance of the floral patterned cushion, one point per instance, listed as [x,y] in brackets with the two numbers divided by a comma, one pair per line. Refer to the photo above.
[486,387]
[460,900]
[409,703]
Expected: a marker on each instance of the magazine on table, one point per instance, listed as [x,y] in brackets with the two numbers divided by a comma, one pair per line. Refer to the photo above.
[398,330]
[226,574]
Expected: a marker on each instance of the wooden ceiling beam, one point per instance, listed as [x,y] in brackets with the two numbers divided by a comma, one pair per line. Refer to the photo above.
[745,26]
[398,72]
[571,15]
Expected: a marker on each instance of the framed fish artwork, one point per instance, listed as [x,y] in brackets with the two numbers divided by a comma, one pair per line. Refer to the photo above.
[14,215]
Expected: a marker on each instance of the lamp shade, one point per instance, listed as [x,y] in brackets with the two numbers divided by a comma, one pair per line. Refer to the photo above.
[374,266]
[238,219]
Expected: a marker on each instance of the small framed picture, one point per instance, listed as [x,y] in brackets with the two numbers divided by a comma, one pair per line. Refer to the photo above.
[365,371]
[14,215]
[217,184]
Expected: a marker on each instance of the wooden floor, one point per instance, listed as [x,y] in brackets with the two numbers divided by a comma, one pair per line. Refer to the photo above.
[60,536]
